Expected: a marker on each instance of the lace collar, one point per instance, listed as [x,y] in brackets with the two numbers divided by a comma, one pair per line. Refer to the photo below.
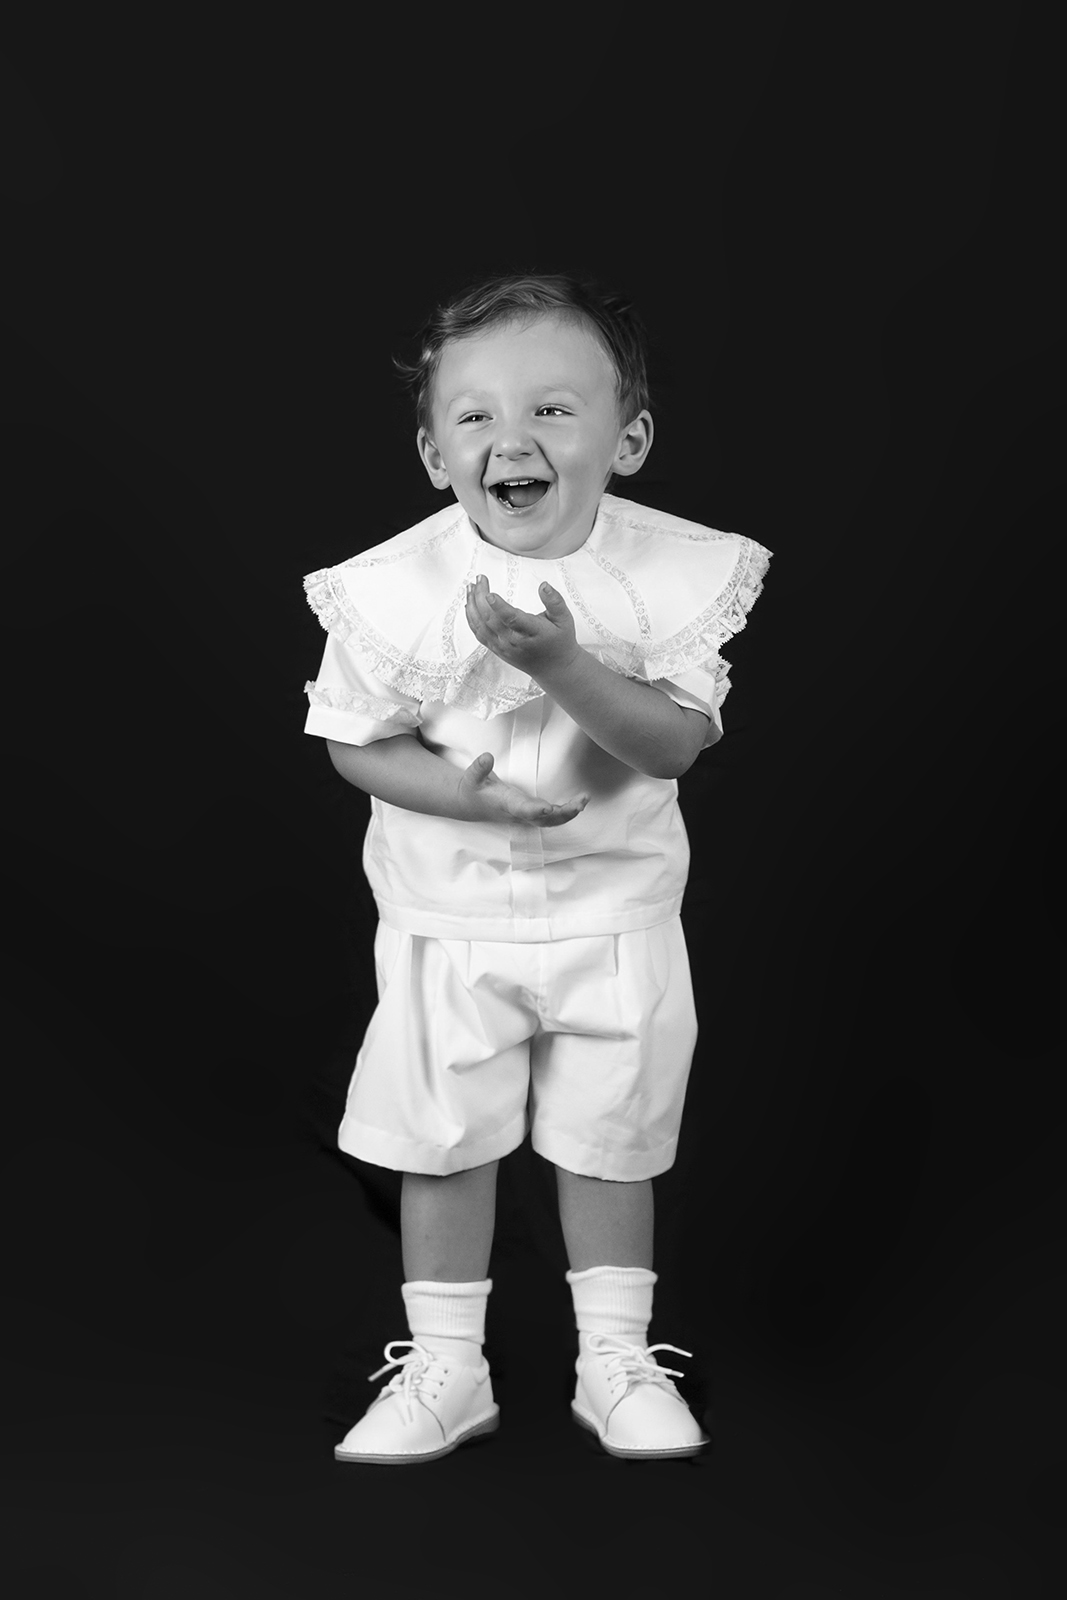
[652,596]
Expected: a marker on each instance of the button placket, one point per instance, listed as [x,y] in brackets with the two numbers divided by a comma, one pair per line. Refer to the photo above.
[528,898]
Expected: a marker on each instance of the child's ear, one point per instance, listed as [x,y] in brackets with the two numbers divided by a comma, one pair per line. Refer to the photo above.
[432,460]
[635,442]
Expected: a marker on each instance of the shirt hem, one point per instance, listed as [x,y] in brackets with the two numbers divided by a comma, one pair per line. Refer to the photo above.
[525,930]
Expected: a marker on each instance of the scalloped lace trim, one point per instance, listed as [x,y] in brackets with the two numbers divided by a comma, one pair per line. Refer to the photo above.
[702,638]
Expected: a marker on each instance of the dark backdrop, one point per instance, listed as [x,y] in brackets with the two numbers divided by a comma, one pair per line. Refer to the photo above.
[840,225]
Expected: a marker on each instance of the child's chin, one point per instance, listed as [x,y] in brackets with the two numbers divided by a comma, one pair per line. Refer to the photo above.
[519,541]
[547,536]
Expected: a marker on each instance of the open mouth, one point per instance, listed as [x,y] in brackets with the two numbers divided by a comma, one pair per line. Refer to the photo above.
[517,494]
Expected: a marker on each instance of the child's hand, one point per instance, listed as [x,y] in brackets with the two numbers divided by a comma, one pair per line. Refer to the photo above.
[544,643]
[491,800]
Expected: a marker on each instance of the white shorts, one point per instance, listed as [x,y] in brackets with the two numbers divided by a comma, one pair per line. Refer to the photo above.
[586,1044]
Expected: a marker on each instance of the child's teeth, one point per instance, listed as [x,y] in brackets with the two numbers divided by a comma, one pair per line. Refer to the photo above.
[514,497]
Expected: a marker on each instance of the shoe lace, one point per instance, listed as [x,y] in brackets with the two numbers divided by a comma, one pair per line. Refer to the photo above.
[631,1363]
[419,1369]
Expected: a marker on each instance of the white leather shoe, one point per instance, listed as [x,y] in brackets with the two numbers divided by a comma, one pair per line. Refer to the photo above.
[429,1407]
[630,1403]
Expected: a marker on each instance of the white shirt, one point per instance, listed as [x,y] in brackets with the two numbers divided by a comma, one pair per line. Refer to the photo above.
[652,596]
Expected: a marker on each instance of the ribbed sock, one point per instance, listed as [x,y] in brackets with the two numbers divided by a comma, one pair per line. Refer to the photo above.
[613,1300]
[448,1318]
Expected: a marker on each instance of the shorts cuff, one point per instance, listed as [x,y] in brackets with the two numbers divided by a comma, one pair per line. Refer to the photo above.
[593,1161]
[383,1149]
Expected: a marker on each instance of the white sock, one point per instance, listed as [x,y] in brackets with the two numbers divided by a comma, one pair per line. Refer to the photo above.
[613,1300]
[448,1318]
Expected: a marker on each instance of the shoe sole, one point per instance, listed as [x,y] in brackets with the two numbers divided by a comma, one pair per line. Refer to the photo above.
[624,1454]
[486,1426]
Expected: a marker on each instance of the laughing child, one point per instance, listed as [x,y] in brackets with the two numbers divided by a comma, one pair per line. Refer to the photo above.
[519,681]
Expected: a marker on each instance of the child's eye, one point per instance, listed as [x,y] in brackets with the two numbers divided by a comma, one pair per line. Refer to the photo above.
[478,416]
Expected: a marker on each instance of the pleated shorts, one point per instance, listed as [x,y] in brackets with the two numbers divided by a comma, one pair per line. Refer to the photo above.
[585,1044]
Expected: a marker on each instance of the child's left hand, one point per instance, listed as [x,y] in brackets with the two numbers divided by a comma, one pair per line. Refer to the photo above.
[544,643]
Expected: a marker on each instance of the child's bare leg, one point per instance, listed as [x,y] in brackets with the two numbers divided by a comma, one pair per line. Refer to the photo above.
[605,1224]
[446,1225]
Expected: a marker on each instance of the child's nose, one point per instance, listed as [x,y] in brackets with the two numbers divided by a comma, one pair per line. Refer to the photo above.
[513,440]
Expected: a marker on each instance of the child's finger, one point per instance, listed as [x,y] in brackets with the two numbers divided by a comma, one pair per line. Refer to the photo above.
[477,620]
[565,811]
[496,608]
[501,611]
[480,767]
[478,602]
[555,604]
[480,592]
[556,819]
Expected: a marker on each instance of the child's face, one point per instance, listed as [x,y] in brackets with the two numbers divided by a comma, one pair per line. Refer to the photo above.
[534,401]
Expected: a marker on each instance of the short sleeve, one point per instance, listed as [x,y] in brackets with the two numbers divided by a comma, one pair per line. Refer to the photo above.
[703,689]
[349,704]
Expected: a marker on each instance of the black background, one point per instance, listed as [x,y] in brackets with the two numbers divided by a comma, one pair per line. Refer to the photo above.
[840,225]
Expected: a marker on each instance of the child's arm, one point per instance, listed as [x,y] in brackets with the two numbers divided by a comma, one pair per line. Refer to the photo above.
[402,771]
[632,721]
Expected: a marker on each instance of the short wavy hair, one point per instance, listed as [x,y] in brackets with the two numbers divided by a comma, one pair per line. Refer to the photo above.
[511,297]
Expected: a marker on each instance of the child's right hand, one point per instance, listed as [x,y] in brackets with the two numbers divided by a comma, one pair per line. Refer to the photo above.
[492,800]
